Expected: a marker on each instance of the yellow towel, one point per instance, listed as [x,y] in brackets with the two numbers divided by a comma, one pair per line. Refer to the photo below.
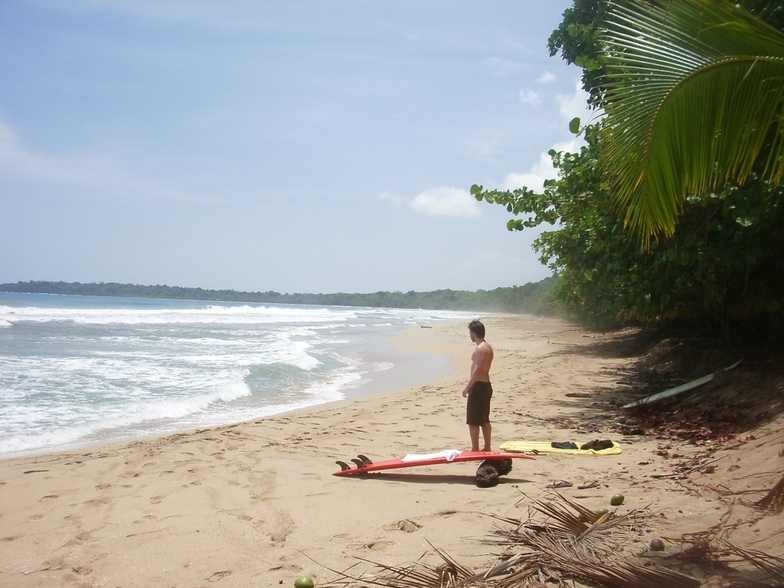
[545,447]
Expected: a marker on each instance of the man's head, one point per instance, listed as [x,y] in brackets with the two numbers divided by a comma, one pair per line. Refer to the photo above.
[477,328]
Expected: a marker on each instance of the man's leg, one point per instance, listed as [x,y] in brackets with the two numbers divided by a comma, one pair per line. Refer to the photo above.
[487,430]
[473,431]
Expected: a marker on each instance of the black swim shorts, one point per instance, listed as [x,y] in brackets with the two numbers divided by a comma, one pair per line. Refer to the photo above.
[478,405]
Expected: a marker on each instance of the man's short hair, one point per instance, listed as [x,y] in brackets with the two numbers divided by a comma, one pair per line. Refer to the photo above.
[477,327]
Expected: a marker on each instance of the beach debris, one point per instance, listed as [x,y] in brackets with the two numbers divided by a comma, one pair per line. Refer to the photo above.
[303,582]
[678,389]
[504,466]
[617,500]
[560,484]
[686,471]
[554,544]
[489,470]
[773,501]
[588,485]
[486,477]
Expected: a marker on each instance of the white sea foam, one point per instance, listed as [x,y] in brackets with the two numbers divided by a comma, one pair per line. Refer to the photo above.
[75,370]
[205,315]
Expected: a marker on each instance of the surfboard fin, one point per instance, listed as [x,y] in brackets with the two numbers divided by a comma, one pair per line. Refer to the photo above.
[365,460]
[359,462]
[343,466]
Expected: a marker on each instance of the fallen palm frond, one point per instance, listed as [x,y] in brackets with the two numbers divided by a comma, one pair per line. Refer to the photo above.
[771,566]
[448,574]
[626,575]
[557,544]
[706,548]
[773,500]
[598,535]
[711,550]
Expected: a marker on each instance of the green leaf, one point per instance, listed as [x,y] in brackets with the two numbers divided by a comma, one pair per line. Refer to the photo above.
[574,125]
[695,92]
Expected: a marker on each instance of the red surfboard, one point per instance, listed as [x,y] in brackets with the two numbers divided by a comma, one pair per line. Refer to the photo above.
[364,465]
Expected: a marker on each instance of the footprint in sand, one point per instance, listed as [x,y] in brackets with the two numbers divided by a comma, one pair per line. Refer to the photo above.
[282,526]
[81,570]
[56,563]
[217,576]
[378,545]
[406,525]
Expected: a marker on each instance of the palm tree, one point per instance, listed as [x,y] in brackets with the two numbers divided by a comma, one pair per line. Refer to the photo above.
[694,102]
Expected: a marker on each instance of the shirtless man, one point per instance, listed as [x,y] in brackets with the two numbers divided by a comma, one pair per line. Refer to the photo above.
[478,390]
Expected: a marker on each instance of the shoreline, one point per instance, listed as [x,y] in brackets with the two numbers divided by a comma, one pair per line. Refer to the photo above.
[406,364]
[256,504]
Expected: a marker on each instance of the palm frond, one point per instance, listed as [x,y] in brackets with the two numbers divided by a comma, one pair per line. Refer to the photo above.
[695,93]
[557,549]
[771,566]
[773,500]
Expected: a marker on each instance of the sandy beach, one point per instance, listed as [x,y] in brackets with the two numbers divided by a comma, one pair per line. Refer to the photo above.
[256,504]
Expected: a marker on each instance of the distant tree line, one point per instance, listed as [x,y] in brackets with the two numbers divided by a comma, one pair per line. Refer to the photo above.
[532,298]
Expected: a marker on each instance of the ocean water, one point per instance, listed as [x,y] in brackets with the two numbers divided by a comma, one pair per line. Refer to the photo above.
[78,370]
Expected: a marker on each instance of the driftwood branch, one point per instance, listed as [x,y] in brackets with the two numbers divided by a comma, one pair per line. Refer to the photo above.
[773,501]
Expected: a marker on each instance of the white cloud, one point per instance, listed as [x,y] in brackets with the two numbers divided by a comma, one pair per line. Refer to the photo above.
[446,201]
[529,97]
[546,78]
[393,198]
[534,178]
[480,148]
[500,67]
[540,171]
[572,146]
[569,106]
[575,104]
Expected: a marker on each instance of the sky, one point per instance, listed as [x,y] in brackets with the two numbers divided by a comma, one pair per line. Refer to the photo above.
[295,146]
